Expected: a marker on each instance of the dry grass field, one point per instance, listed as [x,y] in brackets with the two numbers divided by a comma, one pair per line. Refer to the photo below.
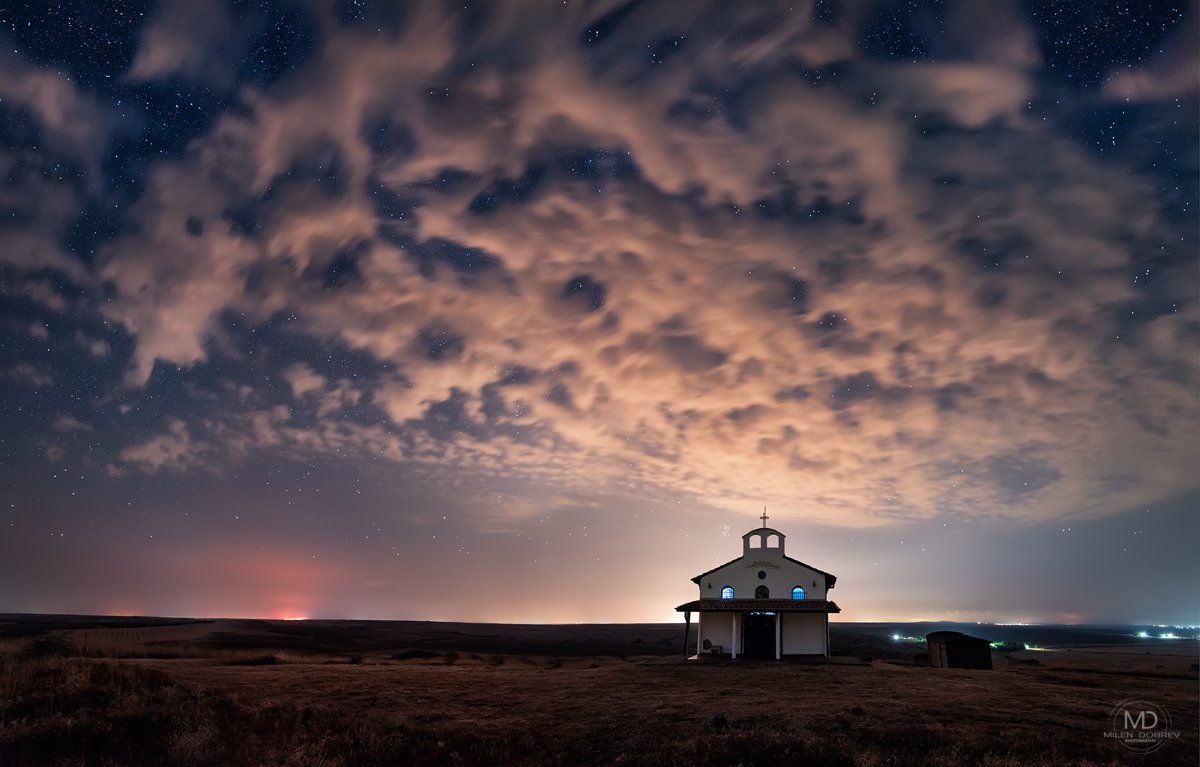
[351,693]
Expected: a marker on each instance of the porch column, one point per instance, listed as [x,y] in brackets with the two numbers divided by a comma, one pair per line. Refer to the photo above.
[778,635]
[733,640]
[699,631]
[826,634]
[687,625]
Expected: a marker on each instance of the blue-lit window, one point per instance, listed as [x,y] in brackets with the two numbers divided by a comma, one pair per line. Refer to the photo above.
[727,592]
[798,592]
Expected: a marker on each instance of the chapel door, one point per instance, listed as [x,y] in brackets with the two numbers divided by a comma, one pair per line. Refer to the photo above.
[758,636]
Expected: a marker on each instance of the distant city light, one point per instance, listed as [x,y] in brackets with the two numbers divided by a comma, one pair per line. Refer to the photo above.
[1143,635]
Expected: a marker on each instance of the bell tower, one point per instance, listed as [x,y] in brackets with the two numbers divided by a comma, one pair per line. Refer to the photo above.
[763,540]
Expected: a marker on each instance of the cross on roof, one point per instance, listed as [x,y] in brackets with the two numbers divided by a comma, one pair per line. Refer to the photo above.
[764,516]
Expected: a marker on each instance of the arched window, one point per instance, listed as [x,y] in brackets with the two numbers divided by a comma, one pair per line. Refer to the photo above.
[772,541]
[762,592]
[798,592]
[727,592]
[756,541]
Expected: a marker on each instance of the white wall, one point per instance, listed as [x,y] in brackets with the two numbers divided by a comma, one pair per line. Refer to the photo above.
[782,575]
[803,633]
[718,628]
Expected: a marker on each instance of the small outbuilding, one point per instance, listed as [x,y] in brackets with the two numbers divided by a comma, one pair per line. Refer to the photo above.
[953,649]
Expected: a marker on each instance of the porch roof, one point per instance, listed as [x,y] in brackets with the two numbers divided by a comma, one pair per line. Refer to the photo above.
[760,605]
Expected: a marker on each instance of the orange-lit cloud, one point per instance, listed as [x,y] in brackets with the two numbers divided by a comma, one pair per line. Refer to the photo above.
[921,347]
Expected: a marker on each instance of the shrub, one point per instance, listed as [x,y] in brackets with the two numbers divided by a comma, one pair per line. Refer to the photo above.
[50,646]
[257,660]
[415,655]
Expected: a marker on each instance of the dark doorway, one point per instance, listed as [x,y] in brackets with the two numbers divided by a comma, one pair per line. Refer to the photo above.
[758,636]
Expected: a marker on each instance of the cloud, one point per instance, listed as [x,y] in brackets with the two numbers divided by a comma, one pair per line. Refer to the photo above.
[970,94]
[190,40]
[172,283]
[33,375]
[702,271]
[302,379]
[69,121]
[1173,74]
[171,451]
[66,425]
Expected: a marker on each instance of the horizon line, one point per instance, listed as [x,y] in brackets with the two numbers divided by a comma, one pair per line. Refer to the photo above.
[205,618]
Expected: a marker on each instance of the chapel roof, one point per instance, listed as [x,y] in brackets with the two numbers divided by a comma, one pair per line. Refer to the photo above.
[830,579]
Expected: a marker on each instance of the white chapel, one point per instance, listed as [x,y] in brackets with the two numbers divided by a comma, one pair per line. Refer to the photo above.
[764,604]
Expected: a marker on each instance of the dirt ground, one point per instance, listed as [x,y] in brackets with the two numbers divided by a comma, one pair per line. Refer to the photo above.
[1051,712]
[203,703]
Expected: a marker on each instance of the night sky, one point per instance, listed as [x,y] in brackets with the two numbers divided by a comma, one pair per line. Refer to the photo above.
[524,311]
